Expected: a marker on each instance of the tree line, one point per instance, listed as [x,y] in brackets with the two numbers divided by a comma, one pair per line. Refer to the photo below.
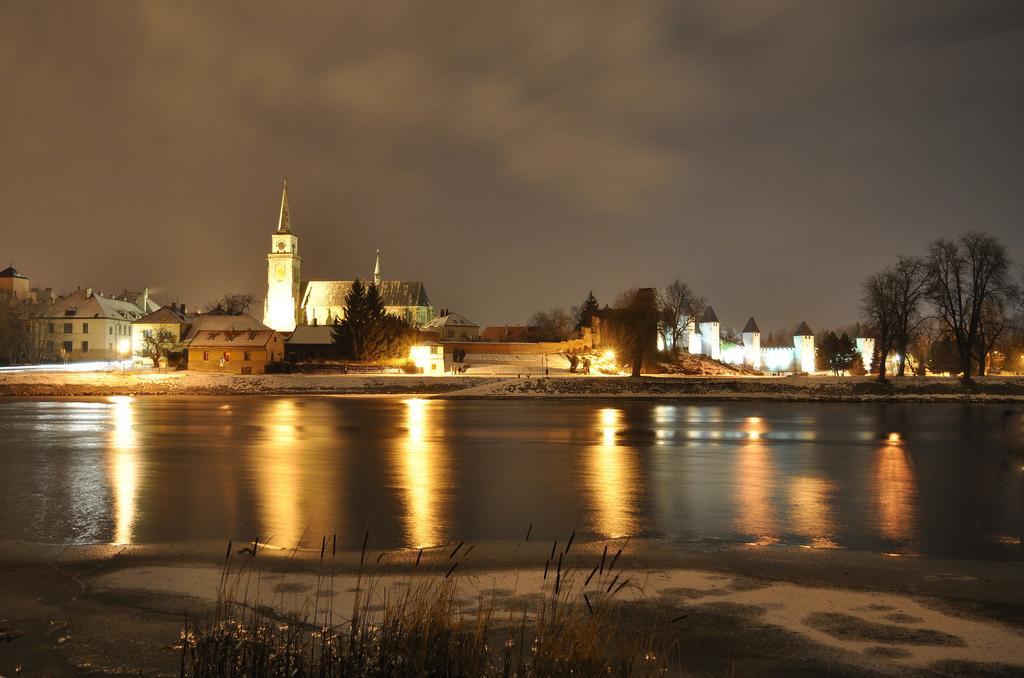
[949,308]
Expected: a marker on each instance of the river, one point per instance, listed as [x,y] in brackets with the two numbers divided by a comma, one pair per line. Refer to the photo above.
[907,479]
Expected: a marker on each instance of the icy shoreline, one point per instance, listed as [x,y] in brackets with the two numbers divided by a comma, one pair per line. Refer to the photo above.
[797,389]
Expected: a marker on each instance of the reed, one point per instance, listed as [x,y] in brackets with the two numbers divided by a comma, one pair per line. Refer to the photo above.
[424,627]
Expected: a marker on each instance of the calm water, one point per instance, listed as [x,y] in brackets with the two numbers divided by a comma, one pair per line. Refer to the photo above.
[931,479]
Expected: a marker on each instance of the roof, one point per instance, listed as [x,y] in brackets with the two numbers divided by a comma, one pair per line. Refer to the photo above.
[751,326]
[164,316]
[450,320]
[320,335]
[392,292]
[221,323]
[709,316]
[803,331]
[284,220]
[84,304]
[9,272]
[230,338]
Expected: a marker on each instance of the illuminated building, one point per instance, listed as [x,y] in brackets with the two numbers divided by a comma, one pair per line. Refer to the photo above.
[291,301]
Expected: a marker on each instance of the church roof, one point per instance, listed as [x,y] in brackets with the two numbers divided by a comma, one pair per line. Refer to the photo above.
[709,316]
[751,326]
[284,221]
[803,331]
[392,293]
[9,272]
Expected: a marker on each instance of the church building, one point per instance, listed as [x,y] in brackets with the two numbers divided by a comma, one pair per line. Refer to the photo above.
[292,302]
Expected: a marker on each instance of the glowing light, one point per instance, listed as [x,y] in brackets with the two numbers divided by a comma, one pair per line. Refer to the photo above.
[755,488]
[124,346]
[894,438]
[124,469]
[280,485]
[895,492]
[427,357]
[420,470]
[612,480]
[811,516]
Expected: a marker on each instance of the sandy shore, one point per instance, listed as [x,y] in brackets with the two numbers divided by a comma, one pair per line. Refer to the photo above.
[831,389]
[753,610]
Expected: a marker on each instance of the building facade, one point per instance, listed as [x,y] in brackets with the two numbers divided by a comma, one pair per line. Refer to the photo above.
[86,325]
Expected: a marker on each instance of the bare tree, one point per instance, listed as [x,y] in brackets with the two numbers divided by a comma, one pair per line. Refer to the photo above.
[232,303]
[878,306]
[965,276]
[910,286]
[677,307]
[156,345]
[553,325]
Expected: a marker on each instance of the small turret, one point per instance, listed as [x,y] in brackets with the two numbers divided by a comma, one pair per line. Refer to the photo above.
[376,271]
[752,344]
[710,334]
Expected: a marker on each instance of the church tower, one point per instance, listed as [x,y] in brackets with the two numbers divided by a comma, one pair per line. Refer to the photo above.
[281,310]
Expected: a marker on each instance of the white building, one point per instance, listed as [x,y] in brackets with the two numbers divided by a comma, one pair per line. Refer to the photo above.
[85,325]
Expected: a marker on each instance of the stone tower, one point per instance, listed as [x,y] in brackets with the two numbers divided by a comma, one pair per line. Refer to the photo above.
[281,310]
[710,334]
[752,344]
[803,349]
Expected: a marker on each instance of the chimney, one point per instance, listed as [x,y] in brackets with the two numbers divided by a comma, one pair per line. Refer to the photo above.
[145,300]
[88,292]
[181,308]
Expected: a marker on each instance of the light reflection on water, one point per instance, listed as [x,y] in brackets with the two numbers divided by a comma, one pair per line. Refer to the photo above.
[933,479]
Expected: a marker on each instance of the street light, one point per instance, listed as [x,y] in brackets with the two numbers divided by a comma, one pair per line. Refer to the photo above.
[124,348]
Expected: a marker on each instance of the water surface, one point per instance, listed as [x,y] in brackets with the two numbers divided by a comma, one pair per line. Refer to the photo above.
[930,479]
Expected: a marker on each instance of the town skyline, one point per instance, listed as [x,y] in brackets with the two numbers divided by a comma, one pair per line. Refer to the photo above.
[512,166]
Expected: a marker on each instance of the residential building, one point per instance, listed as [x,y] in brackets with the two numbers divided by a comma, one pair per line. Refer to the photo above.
[452,327]
[233,351]
[84,325]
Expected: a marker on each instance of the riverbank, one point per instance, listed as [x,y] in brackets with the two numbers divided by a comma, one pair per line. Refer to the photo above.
[805,389]
[746,609]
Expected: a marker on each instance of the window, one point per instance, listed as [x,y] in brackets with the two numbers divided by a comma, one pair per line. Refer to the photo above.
[85,347]
[110,331]
[227,356]
[85,328]
[147,333]
[68,329]
[206,356]
[246,356]
[49,329]
[67,345]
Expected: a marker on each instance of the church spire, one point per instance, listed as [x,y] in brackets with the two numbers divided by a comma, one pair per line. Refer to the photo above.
[284,222]
[376,271]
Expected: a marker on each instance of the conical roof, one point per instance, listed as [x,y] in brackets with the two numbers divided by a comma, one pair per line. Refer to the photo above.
[9,272]
[751,326]
[709,316]
[803,331]
[284,221]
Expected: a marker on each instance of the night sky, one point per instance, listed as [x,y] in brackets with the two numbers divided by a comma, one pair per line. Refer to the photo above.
[510,155]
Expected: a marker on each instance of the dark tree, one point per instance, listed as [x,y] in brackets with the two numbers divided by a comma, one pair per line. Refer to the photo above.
[553,325]
[637,317]
[966,276]
[943,356]
[910,285]
[349,333]
[586,311]
[232,303]
[878,305]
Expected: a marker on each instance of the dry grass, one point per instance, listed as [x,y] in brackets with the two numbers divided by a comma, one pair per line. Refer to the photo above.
[423,627]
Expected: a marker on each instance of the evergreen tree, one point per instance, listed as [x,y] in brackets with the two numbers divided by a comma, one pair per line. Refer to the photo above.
[846,354]
[589,309]
[350,333]
[826,354]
